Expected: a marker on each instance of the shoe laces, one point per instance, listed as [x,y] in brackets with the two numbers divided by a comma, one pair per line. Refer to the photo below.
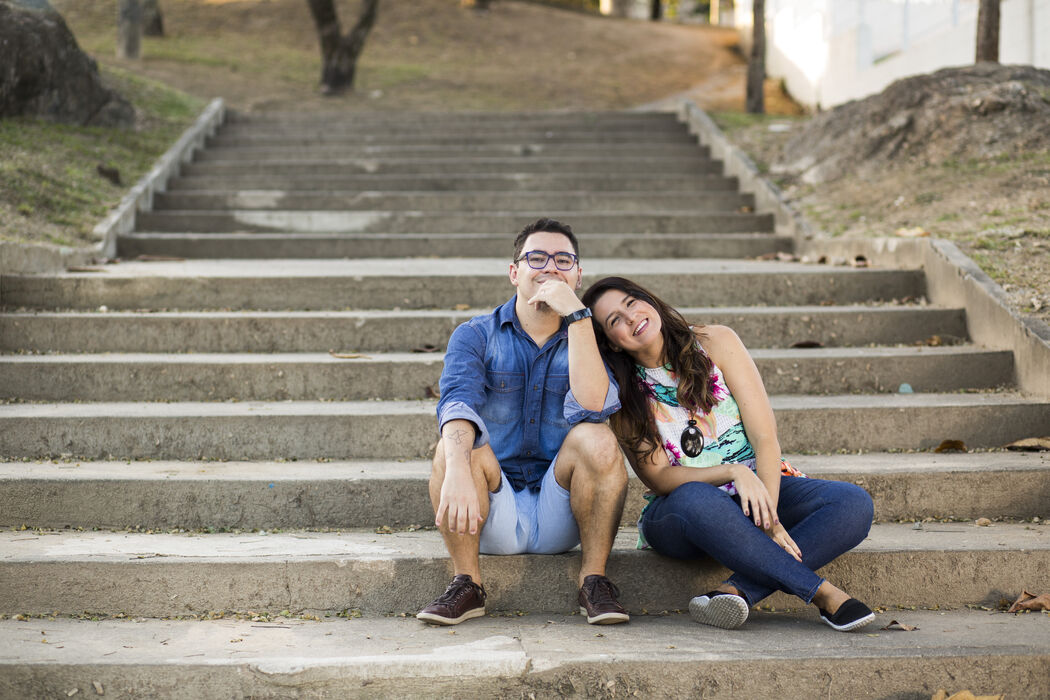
[600,589]
[461,585]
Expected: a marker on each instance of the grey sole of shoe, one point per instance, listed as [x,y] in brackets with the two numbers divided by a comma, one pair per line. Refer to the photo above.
[723,611]
[855,625]
[606,618]
[438,620]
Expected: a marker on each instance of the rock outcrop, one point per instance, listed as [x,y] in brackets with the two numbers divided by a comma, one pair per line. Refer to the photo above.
[43,72]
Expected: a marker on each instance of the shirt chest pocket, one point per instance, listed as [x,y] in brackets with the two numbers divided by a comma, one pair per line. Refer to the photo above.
[556,387]
[503,396]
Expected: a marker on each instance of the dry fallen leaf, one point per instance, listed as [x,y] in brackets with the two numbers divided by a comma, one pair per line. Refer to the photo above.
[1036,444]
[894,625]
[159,258]
[808,344]
[786,257]
[964,695]
[348,355]
[1029,601]
[934,341]
[430,393]
[982,522]
[951,446]
[461,307]
[915,232]
[426,347]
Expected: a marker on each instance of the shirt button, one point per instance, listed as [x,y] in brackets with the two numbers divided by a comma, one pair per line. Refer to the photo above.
[528,452]
[535,387]
[532,420]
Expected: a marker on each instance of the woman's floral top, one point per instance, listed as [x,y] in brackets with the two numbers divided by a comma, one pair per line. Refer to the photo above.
[725,441]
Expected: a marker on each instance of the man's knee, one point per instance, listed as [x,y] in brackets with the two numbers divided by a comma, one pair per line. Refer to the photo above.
[595,446]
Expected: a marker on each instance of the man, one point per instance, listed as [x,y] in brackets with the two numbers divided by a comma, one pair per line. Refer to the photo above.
[526,462]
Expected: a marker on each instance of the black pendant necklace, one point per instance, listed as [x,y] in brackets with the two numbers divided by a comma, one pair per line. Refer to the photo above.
[692,439]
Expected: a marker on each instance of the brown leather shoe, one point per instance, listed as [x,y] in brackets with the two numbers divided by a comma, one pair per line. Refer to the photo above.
[462,600]
[598,601]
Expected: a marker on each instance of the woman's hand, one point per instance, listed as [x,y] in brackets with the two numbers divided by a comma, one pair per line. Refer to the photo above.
[754,497]
[778,534]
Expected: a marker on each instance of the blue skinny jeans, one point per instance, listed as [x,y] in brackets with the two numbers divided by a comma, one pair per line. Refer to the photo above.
[825,518]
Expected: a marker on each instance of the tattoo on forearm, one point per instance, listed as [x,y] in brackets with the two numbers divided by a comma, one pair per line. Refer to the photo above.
[457,437]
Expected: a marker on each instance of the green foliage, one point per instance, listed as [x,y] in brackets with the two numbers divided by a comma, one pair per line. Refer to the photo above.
[50,189]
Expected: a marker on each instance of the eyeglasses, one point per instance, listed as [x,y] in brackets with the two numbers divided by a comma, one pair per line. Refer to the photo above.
[537,260]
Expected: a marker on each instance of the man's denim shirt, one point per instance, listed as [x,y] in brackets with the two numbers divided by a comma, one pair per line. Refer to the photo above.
[516,394]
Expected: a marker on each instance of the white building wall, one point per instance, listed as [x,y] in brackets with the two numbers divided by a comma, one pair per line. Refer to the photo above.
[832,51]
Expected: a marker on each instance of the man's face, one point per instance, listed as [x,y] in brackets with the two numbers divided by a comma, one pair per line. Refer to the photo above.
[528,280]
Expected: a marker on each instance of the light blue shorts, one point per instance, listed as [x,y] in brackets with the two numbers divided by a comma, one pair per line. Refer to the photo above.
[524,522]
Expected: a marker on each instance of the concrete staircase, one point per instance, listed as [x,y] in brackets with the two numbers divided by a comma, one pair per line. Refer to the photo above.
[237,424]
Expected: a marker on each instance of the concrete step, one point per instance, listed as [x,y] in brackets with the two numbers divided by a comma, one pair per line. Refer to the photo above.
[385,221]
[429,283]
[156,575]
[776,654]
[461,182]
[381,221]
[450,201]
[299,122]
[560,142]
[442,245]
[312,376]
[406,429]
[163,494]
[538,165]
[400,331]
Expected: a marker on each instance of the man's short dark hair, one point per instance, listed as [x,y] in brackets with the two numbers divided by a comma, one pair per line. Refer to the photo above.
[546,226]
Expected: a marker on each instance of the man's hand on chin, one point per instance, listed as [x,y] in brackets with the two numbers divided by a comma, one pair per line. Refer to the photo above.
[556,296]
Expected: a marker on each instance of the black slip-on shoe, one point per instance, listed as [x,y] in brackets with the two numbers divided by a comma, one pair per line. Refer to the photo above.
[851,615]
[719,609]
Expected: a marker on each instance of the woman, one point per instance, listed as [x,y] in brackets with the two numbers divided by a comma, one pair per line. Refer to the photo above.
[698,429]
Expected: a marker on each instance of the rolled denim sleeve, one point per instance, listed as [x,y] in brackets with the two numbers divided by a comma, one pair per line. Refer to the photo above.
[463,381]
[575,413]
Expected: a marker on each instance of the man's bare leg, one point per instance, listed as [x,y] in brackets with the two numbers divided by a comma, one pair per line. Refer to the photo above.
[463,548]
[590,466]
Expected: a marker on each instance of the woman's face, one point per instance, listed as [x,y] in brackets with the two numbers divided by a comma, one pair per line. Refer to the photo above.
[631,324]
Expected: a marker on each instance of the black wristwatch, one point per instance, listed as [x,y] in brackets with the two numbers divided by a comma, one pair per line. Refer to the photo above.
[577,316]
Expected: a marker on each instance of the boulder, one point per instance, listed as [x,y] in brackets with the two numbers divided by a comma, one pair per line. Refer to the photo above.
[44,73]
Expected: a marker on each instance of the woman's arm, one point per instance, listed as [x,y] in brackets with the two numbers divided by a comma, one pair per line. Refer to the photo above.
[742,378]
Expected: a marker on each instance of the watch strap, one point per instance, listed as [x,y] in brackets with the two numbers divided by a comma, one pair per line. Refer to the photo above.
[577,316]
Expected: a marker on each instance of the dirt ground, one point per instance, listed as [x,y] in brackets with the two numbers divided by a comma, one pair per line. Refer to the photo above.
[962,154]
[427,55]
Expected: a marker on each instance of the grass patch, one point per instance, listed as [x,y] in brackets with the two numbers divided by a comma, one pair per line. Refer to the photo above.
[50,190]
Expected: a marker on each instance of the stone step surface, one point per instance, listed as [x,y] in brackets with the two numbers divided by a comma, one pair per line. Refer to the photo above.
[348,332]
[406,429]
[776,654]
[437,283]
[309,376]
[297,121]
[538,165]
[387,221]
[447,201]
[561,143]
[654,656]
[158,575]
[461,182]
[164,494]
[443,245]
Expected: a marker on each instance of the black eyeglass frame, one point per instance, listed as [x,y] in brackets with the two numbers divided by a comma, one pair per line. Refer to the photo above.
[546,258]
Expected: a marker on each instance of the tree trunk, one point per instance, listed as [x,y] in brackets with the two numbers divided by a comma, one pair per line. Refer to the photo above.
[656,10]
[152,20]
[756,65]
[988,31]
[339,53]
[129,29]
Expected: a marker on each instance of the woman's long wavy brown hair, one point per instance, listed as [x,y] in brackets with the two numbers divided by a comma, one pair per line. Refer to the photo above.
[633,423]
